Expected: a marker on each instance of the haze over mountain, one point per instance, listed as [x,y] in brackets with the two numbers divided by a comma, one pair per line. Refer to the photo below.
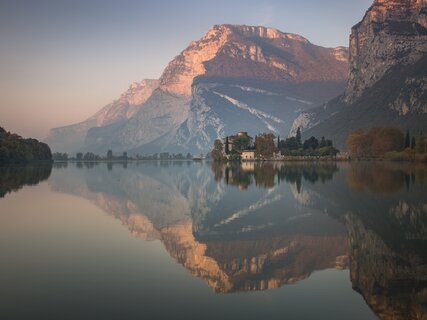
[235,78]
[387,80]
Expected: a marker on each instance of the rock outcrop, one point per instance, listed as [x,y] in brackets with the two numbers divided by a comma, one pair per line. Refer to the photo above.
[387,82]
[392,33]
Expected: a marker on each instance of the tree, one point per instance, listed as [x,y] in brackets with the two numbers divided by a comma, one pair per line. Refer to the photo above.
[278,142]
[311,143]
[15,149]
[407,140]
[384,140]
[109,154]
[290,144]
[421,145]
[322,142]
[358,144]
[298,137]
[217,151]
[89,156]
[125,155]
[375,143]
[241,143]
[227,146]
[265,147]
[413,142]
[79,156]
[164,156]
[57,156]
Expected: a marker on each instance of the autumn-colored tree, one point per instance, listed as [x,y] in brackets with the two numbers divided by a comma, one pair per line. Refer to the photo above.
[265,146]
[385,140]
[358,145]
[217,152]
[375,143]
[421,144]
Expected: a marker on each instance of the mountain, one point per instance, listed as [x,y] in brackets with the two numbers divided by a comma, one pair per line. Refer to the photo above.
[71,138]
[387,82]
[234,78]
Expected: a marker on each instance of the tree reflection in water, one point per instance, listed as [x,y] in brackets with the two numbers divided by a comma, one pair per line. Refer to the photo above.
[268,174]
[14,178]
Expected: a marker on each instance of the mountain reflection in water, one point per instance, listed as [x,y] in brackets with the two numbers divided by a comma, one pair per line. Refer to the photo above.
[257,226]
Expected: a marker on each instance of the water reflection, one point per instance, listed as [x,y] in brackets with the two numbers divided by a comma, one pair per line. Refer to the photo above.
[281,223]
[14,178]
[268,174]
[386,177]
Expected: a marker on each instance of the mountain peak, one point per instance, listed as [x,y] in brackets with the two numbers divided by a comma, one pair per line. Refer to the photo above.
[253,31]
[241,51]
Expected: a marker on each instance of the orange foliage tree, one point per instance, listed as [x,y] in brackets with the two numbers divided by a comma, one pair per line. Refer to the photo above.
[375,143]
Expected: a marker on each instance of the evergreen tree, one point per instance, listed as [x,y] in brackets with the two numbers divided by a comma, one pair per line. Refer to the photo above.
[322,142]
[407,140]
[413,143]
[311,143]
[110,154]
[298,137]
[227,146]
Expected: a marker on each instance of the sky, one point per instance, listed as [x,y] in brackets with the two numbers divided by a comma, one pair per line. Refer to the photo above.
[61,61]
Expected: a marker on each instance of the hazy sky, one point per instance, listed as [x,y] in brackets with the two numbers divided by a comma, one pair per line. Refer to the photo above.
[61,61]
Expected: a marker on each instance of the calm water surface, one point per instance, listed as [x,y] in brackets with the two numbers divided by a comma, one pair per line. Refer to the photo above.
[193,240]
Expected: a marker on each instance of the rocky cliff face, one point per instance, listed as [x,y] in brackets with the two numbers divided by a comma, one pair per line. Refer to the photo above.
[259,76]
[387,79]
[391,33]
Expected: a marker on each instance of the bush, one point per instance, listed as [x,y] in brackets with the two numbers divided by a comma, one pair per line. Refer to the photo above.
[405,155]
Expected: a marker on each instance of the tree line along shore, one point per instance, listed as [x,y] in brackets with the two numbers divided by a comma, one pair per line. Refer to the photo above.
[375,144]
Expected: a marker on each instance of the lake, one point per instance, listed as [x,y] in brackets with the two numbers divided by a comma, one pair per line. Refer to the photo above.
[200,240]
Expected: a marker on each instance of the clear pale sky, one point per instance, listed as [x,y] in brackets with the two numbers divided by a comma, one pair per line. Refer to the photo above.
[61,61]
